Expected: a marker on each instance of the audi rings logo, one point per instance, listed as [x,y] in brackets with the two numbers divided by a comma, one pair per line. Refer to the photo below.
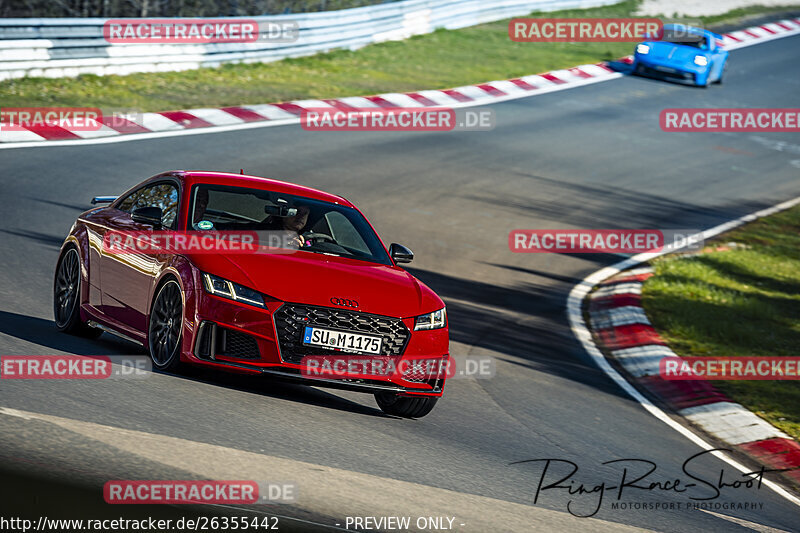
[344,302]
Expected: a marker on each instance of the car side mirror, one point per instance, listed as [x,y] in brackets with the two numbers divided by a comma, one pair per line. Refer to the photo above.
[148,215]
[400,253]
[103,199]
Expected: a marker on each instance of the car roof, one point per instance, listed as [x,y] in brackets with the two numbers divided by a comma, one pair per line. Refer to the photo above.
[194,177]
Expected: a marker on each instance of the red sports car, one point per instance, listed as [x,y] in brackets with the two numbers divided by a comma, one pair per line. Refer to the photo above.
[336,298]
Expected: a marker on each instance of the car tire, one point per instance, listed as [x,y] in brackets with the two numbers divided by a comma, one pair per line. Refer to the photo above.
[67,295]
[405,406]
[165,327]
[721,75]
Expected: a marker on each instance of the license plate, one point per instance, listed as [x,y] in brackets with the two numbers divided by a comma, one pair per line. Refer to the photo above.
[666,69]
[351,342]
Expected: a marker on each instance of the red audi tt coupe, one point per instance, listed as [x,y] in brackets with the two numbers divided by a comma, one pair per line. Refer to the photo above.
[336,299]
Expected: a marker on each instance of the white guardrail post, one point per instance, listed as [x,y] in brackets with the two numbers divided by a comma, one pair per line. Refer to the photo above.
[59,47]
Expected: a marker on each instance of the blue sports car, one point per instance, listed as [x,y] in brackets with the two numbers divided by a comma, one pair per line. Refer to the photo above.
[683,53]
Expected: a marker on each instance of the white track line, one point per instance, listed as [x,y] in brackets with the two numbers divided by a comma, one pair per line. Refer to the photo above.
[760,528]
[582,333]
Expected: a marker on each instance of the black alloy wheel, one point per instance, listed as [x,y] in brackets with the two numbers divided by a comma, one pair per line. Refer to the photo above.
[166,324]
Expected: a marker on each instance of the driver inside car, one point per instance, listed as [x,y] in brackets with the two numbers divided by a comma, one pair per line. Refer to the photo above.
[296,223]
[200,206]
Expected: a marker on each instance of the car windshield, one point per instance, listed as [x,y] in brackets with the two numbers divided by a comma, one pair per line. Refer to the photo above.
[685,38]
[693,44]
[323,227]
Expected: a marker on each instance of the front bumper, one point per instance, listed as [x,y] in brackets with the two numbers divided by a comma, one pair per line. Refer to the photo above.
[684,71]
[242,338]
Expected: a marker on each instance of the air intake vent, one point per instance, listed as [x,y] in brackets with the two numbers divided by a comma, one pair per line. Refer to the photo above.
[214,340]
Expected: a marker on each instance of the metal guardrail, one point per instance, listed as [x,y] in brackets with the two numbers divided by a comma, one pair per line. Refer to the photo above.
[59,47]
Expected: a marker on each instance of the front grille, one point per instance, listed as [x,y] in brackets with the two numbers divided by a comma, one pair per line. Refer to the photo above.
[291,319]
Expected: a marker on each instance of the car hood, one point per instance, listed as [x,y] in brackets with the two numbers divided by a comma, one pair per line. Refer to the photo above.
[673,53]
[315,279]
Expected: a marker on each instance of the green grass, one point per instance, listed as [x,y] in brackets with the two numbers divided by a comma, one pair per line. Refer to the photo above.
[440,60]
[747,12]
[743,301]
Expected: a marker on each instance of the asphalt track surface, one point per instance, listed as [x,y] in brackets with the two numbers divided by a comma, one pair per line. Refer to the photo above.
[592,157]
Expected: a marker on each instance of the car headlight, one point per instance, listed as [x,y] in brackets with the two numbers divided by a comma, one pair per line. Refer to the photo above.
[700,61]
[435,320]
[642,49]
[232,291]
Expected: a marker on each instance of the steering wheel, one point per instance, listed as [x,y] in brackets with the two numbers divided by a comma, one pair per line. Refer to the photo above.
[313,237]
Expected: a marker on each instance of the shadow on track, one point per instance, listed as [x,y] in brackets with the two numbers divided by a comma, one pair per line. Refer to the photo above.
[584,205]
[40,331]
[42,238]
[44,333]
[522,321]
[275,388]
